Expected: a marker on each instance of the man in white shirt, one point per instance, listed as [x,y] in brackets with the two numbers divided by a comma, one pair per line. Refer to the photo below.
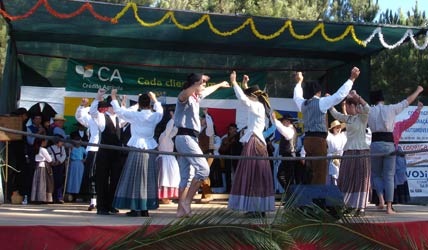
[108,161]
[314,107]
[88,181]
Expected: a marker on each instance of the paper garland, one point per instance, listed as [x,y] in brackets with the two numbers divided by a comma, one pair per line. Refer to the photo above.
[169,15]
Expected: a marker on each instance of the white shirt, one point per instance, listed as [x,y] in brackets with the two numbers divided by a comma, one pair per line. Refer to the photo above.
[241,116]
[256,116]
[210,126]
[217,144]
[166,143]
[143,124]
[286,131]
[57,153]
[100,118]
[42,157]
[336,143]
[382,117]
[83,117]
[326,102]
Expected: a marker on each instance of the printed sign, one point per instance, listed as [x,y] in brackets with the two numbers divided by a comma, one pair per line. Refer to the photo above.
[417,179]
[89,77]
[419,130]
[415,159]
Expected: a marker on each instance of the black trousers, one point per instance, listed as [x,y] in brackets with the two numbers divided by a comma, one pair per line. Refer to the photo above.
[87,188]
[107,174]
[291,172]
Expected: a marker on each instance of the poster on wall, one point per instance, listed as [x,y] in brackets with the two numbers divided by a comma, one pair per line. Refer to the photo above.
[419,130]
[417,179]
[415,159]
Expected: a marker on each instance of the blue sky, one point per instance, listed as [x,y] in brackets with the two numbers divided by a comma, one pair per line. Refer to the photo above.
[406,5]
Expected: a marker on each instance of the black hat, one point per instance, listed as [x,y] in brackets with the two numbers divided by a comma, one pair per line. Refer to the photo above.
[376,96]
[250,90]
[106,103]
[288,117]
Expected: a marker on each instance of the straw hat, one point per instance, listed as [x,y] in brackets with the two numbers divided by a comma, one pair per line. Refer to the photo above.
[336,123]
[59,117]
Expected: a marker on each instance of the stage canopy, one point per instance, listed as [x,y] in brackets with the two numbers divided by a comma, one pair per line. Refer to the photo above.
[44,34]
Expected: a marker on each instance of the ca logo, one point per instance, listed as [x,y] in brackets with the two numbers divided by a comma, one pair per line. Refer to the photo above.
[85,71]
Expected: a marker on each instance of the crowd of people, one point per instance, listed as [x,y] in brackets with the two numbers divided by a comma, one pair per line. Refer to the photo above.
[111,179]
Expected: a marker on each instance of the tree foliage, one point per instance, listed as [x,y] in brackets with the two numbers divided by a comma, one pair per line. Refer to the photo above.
[387,67]
[398,72]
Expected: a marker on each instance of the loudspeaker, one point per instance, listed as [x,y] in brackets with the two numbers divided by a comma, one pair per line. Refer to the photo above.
[324,196]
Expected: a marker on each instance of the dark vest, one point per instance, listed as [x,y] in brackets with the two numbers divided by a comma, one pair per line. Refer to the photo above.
[125,134]
[204,141]
[111,134]
[313,118]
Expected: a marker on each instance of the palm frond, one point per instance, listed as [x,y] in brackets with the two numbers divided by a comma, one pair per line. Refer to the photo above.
[290,227]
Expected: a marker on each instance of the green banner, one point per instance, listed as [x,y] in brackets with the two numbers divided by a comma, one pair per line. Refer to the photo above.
[89,77]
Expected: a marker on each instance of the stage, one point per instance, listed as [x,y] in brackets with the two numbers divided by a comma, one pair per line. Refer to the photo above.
[67,226]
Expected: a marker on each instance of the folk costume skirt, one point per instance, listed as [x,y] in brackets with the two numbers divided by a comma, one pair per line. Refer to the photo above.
[252,188]
[354,179]
[168,176]
[138,185]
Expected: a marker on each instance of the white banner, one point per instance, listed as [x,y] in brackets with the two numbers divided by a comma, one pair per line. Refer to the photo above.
[417,178]
[55,97]
[415,159]
[419,130]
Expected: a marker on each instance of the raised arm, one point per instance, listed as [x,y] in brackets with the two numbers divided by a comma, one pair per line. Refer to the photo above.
[209,90]
[185,93]
[411,98]
[298,91]
[210,124]
[337,115]
[82,113]
[287,132]
[245,80]
[238,91]
[332,100]
[93,110]
[401,126]
[157,107]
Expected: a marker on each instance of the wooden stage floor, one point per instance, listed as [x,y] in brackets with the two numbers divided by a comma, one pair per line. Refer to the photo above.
[76,214]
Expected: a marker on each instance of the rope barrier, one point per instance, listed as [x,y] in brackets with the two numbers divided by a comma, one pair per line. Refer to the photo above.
[232,157]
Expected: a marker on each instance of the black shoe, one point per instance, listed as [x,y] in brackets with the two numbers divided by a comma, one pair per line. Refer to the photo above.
[103,212]
[360,213]
[91,207]
[133,213]
[145,213]
[114,210]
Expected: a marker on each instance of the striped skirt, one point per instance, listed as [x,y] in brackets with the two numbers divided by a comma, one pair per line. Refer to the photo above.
[137,188]
[354,178]
[252,187]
